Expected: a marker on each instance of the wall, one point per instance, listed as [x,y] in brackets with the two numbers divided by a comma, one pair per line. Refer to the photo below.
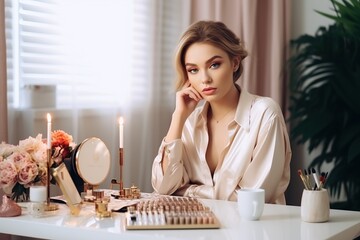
[305,19]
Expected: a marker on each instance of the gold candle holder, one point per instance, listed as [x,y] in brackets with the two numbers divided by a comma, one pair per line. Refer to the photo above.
[49,206]
[124,193]
[121,184]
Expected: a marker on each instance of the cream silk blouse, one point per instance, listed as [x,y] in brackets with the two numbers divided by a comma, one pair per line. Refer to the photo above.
[257,156]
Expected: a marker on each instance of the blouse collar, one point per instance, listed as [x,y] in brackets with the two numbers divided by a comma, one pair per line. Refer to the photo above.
[243,109]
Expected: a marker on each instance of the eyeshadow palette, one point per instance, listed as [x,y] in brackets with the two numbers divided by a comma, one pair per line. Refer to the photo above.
[169,212]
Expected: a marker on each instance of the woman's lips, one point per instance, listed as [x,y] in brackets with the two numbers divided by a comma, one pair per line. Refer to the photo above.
[209,91]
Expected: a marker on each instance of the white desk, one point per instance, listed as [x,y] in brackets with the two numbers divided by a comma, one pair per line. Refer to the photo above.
[277,222]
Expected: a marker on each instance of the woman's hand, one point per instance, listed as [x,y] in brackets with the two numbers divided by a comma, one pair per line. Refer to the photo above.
[186,101]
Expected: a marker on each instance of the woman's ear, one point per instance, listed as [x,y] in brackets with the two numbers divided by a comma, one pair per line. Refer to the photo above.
[236,63]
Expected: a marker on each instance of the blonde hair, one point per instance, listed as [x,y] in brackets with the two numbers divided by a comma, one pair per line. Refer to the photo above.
[215,33]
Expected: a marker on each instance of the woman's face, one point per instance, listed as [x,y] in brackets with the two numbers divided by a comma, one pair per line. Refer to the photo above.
[210,70]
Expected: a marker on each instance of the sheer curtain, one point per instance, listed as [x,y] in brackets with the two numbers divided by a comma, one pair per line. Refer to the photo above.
[152,98]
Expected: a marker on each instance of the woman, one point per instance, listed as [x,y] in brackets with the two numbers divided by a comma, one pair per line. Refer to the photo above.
[234,140]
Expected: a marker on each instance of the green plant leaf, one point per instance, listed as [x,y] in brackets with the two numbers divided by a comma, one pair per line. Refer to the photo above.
[324,97]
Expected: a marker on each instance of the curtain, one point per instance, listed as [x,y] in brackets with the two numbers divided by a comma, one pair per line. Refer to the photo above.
[3,87]
[3,98]
[264,28]
[149,111]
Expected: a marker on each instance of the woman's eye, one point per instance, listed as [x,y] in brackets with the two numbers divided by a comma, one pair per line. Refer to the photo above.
[215,65]
[192,71]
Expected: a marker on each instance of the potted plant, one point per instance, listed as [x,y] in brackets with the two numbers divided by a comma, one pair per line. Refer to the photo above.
[325,99]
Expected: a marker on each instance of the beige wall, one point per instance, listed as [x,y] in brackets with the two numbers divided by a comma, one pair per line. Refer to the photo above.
[305,19]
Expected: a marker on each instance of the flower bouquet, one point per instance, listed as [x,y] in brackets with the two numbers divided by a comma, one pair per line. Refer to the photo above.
[62,144]
[25,165]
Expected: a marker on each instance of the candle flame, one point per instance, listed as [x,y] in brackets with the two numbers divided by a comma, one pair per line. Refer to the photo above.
[48,117]
[121,120]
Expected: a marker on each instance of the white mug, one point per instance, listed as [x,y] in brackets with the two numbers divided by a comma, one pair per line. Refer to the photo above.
[315,205]
[251,203]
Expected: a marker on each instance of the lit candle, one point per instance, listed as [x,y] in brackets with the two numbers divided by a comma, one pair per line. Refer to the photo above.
[121,132]
[48,131]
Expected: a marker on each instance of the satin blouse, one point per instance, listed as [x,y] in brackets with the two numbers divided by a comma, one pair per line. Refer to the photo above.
[257,155]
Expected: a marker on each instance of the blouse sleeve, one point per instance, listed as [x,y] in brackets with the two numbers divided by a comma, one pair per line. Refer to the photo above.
[197,191]
[175,175]
[270,165]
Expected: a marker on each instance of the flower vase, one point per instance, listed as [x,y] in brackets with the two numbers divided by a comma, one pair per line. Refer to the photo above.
[20,193]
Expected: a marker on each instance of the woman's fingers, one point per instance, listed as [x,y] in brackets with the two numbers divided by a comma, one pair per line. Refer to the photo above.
[192,93]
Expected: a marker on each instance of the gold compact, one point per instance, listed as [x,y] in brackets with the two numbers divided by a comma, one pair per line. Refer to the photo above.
[67,186]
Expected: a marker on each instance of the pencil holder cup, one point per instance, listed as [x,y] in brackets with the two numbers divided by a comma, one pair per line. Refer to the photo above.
[315,206]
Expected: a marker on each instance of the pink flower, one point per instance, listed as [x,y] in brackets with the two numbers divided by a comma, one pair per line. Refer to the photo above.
[31,144]
[6,150]
[27,172]
[36,148]
[19,157]
[8,175]
[25,165]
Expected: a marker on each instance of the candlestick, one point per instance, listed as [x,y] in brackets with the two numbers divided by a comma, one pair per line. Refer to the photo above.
[121,160]
[49,206]
[121,132]
[121,155]
[48,131]
[48,176]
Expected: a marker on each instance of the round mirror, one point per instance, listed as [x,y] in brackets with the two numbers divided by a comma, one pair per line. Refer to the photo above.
[92,161]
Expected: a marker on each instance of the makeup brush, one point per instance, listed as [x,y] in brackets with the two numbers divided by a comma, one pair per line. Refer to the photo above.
[303,179]
[307,178]
[317,183]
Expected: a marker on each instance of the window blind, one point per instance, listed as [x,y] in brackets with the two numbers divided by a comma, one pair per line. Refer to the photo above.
[9,27]
[158,25]
[96,52]
[32,45]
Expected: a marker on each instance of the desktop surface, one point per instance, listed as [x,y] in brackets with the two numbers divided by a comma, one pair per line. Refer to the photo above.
[276,222]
